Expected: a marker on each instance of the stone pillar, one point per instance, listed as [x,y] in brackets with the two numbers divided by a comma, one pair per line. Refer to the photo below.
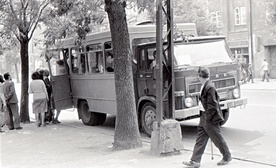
[167,138]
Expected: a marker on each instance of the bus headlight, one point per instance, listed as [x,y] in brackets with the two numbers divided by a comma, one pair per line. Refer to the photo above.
[189,102]
[236,93]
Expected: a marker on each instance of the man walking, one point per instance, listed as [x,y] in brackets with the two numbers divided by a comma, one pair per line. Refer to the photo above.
[265,69]
[209,125]
[12,102]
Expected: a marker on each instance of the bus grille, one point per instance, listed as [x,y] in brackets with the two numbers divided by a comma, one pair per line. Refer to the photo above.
[221,83]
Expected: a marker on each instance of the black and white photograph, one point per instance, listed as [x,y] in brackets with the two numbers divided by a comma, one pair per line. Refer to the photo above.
[137,83]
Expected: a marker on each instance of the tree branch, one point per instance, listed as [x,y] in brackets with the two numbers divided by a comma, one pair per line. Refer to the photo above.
[42,7]
[14,14]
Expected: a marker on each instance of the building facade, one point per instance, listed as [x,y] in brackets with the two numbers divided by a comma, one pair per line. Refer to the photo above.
[243,21]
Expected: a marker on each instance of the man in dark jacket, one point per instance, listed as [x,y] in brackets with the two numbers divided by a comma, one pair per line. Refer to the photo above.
[12,102]
[210,120]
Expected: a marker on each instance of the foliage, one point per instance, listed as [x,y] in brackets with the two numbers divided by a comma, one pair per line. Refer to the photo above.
[270,6]
[195,11]
[72,18]
[19,19]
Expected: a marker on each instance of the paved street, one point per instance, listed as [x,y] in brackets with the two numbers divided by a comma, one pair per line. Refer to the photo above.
[72,144]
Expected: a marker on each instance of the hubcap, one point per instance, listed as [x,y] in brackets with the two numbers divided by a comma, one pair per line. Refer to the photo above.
[150,117]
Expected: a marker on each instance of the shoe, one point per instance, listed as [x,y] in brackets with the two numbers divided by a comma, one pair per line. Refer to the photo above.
[224,162]
[11,128]
[19,128]
[192,164]
[56,121]
[43,125]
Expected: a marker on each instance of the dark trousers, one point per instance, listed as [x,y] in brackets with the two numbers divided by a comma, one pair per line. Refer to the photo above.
[14,118]
[206,130]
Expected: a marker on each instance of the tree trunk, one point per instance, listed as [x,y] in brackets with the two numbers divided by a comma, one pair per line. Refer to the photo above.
[24,101]
[127,133]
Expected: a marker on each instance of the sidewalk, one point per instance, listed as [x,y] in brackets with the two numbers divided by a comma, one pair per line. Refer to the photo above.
[68,146]
[259,85]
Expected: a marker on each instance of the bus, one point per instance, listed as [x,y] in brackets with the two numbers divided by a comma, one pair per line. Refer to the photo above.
[88,82]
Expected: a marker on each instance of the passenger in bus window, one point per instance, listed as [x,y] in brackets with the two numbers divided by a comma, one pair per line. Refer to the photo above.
[60,67]
[152,60]
[109,63]
[82,64]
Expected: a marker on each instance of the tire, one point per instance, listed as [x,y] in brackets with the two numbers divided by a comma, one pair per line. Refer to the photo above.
[147,117]
[87,117]
[101,118]
[225,116]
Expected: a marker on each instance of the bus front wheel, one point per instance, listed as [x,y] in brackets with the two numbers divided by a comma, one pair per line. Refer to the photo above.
[148,116]
[87,117]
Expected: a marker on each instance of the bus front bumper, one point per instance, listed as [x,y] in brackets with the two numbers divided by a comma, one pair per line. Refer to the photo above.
[194,111]
[233,103]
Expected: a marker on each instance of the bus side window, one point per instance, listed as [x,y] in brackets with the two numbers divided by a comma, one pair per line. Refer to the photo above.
[74,61]
[142,59]
[95,58]
[109,61]
[109,64]
[151,57]
[82,63]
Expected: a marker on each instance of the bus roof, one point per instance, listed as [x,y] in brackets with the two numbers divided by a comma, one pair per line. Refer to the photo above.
[189,39]
[138,31]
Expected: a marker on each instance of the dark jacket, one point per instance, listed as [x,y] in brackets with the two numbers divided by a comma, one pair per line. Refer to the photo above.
[9,92]
[210,102]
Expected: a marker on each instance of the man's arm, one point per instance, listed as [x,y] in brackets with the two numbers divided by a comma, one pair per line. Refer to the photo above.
[11,91]
[211,103]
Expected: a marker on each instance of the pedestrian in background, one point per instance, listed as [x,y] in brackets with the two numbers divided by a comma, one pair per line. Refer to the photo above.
[11,102]
[250,73]
[40,99]
[264,67]
[49,117]
[210,122]
[3,107]
[244,72]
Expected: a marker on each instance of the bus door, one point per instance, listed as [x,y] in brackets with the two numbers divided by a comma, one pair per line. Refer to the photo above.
[58,67]
[146,81]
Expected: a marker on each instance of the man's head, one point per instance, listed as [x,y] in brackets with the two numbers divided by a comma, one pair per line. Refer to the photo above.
[46,72]
[7,76]
[203,72]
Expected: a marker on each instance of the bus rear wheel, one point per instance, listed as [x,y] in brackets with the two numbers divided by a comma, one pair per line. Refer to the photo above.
[87,117]
[148,116]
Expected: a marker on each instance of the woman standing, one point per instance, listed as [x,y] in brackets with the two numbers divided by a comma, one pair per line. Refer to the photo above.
[40,99]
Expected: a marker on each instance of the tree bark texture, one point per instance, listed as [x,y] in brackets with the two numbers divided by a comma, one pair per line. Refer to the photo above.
[24,101]
[127,133]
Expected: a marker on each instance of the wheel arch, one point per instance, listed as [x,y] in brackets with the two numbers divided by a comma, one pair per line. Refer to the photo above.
[141,103]
[78,104]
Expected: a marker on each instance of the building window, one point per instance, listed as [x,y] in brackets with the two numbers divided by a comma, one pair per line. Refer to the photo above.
[240,16]
[216,18]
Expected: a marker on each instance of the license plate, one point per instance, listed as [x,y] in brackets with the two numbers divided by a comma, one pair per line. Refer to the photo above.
[235,104]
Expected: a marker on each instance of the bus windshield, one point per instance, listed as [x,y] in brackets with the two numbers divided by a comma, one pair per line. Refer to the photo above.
[191,54]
